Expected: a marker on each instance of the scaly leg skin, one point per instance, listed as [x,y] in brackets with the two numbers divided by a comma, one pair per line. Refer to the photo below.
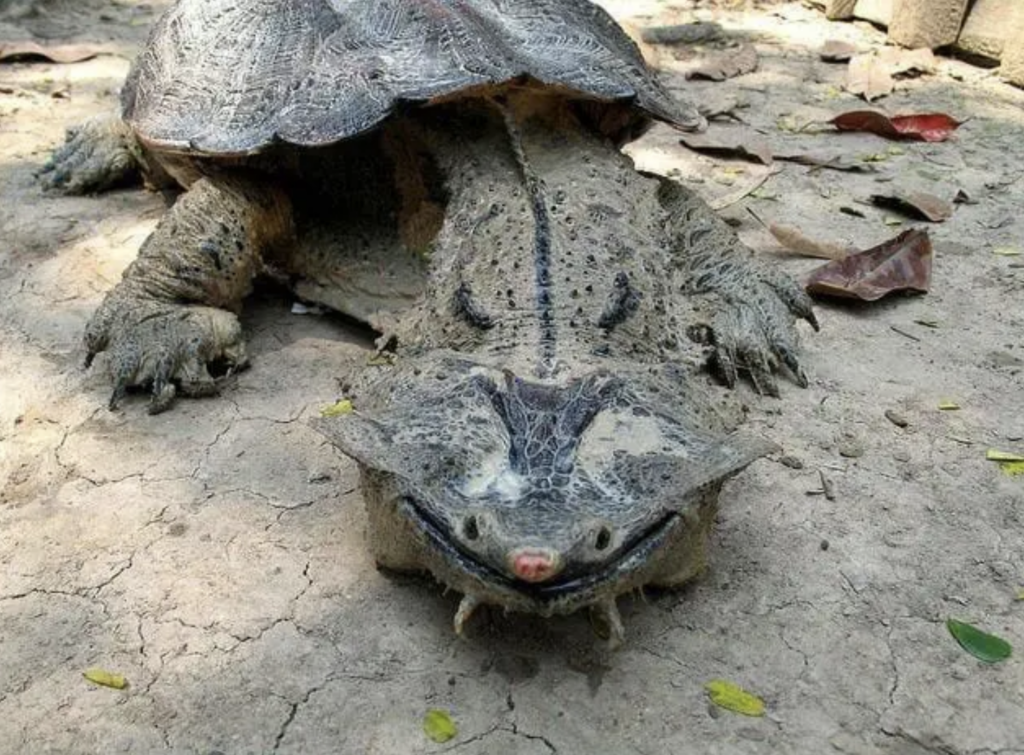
[745,310]
[97,155]
[173,313]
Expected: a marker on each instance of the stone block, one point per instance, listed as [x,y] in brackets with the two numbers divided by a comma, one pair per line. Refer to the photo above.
[926,23]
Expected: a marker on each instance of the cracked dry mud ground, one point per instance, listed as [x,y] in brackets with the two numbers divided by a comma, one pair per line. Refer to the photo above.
[215,555]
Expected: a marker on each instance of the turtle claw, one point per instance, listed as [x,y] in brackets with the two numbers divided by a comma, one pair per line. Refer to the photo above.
[166,347]
[607,623]
[467,607]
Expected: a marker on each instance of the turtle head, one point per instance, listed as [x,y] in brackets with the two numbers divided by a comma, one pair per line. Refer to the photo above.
[547,492]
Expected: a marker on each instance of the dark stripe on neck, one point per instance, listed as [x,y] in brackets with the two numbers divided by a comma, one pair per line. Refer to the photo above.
[544,304]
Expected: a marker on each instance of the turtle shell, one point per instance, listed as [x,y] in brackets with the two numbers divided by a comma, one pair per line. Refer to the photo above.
[229,77]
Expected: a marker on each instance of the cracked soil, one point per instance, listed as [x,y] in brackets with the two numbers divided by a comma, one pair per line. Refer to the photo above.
[215,557]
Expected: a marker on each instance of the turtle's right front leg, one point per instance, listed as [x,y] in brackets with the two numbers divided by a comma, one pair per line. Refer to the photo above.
[173,313]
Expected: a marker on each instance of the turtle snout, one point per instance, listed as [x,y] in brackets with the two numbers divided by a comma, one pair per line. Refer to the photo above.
[534,564]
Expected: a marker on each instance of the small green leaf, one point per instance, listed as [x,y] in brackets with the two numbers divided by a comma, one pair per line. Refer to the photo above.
[983,646]
[105,678]
[337,409]
[438,726]
[733,697]
[947,405]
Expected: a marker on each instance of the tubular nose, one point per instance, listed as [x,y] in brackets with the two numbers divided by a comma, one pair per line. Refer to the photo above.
[534,564]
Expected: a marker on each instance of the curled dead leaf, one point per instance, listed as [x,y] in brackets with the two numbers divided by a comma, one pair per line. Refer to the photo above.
[869,77]
[926,127]
[10,51]
[837,51]
[900,264]
[726,64]
[916,204]
[682,34]
[795,241]
[730,143]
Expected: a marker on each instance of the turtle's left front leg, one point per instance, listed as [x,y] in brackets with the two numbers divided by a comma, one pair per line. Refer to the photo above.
[745,310]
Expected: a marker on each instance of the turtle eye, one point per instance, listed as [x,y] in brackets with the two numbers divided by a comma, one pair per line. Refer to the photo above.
[603,538]
[470,528]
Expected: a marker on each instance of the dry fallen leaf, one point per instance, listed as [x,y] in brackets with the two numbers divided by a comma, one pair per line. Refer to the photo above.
[829,161]
[871,74]
[900,264]
[733,697]
[730,143]
[337,409]
[687,34]
[1011,464]
[916,204]
[795,241]
[837,51]
[903,62]
[927,127]
[726,64]
[105,678]
[56,53]
[869,77]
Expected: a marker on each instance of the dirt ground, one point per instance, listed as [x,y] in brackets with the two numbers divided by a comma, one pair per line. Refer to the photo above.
[214,555]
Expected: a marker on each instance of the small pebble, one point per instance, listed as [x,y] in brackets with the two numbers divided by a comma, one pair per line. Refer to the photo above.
[901,455]
[824,545]
[896,418]
[791,461]
[851,450]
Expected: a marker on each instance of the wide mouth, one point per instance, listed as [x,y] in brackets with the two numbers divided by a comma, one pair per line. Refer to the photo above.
[574,588]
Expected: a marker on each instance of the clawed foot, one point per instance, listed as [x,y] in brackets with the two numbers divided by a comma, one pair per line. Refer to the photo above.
[749,326]
[167,347]
[96,155]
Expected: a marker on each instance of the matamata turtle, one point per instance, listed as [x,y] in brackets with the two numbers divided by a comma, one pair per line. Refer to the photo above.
[449,171]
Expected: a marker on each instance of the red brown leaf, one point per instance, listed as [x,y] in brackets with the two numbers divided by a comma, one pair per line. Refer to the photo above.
[900,264]
[928,127]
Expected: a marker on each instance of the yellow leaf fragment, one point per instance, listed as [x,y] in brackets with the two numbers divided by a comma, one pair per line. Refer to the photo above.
[947,405]
[995,455]
[1011,464]
[733,697]
[344,406]
[1020,594]
[1006,251]
[105,678]
[438,726]
[892,220]
[1012,468]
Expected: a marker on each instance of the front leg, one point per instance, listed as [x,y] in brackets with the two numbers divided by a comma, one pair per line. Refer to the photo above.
[173,313]
[101,153]
[744,309]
